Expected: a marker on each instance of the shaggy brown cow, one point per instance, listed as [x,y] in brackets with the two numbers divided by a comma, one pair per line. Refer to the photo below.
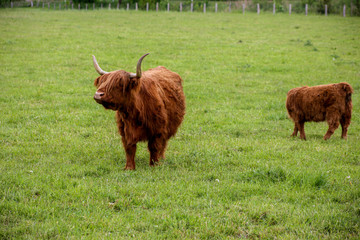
[319,103]
[150,106]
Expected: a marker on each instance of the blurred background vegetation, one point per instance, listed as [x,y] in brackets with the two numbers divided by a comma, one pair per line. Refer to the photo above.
[297,6]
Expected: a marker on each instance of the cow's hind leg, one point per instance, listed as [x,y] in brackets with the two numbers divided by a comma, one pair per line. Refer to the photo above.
[294,134]
[300,126]
[333,125]
[156,147]
[344,126]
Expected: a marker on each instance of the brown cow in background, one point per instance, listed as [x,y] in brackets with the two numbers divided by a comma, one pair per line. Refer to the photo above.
[319,103]
[149,106]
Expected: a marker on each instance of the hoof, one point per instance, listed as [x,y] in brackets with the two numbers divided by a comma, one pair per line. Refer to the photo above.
[129,168]
[153,164]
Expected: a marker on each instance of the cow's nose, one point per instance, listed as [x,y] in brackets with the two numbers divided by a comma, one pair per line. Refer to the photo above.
[98,95]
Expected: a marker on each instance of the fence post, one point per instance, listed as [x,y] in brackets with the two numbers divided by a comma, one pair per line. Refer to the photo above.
[290,9]
[101,6]
[136,6]
[204,9]
[325,9]
[157,6]
[48,5]
[86,6]
[93,6]
[180,6]
[118,5]
[306,9]
[168,7]
[12,5]
[147,6]
[230,7]
[216,7]
[31,4]
[258,8]
[54,6]
[243,8]
[43,5]
[274,8]
[344,11]
[79,7]
[37,4]
[191,6]
[59,6]
[109,6]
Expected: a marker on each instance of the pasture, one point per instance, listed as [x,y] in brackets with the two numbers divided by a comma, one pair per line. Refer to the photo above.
[232,171]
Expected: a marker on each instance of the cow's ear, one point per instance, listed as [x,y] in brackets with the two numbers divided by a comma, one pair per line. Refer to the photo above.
[97,81]
[134,82]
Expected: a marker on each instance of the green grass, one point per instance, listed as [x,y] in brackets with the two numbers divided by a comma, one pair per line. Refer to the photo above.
[231,172]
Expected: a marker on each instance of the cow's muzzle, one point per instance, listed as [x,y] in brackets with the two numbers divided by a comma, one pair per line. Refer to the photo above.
[99,99]
[98,95]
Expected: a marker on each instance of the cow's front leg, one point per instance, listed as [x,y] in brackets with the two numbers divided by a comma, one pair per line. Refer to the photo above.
[156,147]
[130,156]
[162,152]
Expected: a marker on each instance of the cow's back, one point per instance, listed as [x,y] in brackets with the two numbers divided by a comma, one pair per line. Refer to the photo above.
[312,103]
[166,91]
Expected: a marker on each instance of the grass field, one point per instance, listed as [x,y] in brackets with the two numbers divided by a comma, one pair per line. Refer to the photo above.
[231,172]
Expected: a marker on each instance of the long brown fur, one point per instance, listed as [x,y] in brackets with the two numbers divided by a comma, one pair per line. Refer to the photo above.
[331,103]
[150,108]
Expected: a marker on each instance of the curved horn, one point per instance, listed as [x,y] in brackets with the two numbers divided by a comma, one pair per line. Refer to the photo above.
[97,67]
[138,68]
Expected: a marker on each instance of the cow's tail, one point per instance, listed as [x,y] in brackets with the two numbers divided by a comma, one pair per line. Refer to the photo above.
[348,102]
[348,92]
[290,101]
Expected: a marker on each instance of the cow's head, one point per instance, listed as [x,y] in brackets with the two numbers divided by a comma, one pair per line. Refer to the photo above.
[114,88]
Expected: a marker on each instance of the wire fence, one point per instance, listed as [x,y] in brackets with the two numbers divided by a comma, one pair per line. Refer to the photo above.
[196,6]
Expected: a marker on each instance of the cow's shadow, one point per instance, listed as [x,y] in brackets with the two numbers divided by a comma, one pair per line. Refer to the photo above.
[318,137]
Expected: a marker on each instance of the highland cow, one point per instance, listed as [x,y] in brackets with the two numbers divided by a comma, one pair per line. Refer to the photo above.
[150,106]
[331,103]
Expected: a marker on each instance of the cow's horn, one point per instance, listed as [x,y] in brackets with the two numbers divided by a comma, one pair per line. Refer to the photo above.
[138,68]
[97,68]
